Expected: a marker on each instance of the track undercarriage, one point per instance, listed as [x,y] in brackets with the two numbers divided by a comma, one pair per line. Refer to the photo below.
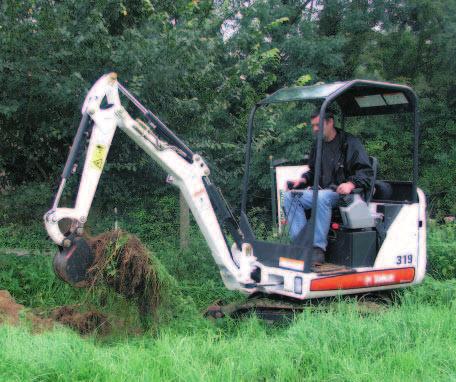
[276,309]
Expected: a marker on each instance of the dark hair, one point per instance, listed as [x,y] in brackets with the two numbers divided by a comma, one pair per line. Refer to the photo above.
[329,113]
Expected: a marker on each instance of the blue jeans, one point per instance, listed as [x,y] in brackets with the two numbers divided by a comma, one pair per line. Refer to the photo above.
[295,202]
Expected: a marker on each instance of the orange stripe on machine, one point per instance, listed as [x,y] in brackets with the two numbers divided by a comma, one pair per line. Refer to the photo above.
[364,279]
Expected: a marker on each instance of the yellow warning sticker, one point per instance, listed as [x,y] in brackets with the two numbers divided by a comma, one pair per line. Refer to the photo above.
[98,157]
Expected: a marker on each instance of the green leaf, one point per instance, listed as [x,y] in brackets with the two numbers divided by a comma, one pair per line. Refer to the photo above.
[278,22]
[304,79]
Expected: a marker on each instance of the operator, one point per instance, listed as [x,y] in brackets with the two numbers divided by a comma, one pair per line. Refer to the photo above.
[345,166]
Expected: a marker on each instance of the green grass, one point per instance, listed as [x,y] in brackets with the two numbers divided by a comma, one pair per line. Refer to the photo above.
[442,251]
[415,339]
[412,341]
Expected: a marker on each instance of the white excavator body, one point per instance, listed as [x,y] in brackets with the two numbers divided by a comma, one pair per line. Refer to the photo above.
[399,261]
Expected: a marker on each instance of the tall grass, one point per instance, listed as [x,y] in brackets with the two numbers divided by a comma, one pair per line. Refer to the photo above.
[415,340]
[442,251]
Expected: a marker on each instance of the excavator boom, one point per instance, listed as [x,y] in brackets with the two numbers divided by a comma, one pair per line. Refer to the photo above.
[102,113]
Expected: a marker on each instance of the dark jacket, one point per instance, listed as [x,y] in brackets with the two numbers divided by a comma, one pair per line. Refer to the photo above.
[353,164]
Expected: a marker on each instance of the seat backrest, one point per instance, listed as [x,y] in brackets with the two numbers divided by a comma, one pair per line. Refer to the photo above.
[374,164]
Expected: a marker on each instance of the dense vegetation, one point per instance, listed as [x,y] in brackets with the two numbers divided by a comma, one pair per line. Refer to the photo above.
[403,344]
[340,340]
[201,65]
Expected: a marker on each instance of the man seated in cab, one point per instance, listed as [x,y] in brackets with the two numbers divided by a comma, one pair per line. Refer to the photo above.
[345,166]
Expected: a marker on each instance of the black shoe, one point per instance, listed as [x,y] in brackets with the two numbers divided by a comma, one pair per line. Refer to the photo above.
[318,256]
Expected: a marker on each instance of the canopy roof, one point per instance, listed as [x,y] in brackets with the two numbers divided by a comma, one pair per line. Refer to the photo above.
[356,97]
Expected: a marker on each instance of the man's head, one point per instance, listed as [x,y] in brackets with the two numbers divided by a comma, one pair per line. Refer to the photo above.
[329,131]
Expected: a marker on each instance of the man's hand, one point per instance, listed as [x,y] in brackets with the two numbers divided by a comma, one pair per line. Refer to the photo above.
[345,188]
[292,184]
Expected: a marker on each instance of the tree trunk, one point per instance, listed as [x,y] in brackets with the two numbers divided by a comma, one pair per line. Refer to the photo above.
[184,222]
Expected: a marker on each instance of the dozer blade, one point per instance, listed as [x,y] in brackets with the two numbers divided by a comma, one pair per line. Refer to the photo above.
[71,264]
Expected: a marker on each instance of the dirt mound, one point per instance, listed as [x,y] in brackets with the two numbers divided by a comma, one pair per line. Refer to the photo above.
[84,323]
[11,313]
[9,309]
[122,262]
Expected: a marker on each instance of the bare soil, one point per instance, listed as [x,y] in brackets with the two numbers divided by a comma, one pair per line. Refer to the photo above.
[11,313]
[84,323]
[9,309]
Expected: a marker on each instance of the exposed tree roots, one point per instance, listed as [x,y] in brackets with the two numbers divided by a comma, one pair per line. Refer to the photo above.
[122,262]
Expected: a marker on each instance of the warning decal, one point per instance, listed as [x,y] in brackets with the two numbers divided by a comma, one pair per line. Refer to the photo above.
[98,157]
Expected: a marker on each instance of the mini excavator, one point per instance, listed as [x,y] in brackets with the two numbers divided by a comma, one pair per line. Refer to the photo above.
[379,243]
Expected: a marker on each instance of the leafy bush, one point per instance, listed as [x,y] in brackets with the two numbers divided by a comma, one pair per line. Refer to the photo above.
[25,203]
[442,251]
[155,219]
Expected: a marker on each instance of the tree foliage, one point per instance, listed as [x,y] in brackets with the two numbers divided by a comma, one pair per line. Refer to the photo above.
[201,66]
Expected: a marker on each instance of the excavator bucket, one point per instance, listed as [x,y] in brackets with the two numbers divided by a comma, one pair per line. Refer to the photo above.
[72,264]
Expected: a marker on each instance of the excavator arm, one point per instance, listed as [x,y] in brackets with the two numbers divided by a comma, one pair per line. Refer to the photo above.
[102,114]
